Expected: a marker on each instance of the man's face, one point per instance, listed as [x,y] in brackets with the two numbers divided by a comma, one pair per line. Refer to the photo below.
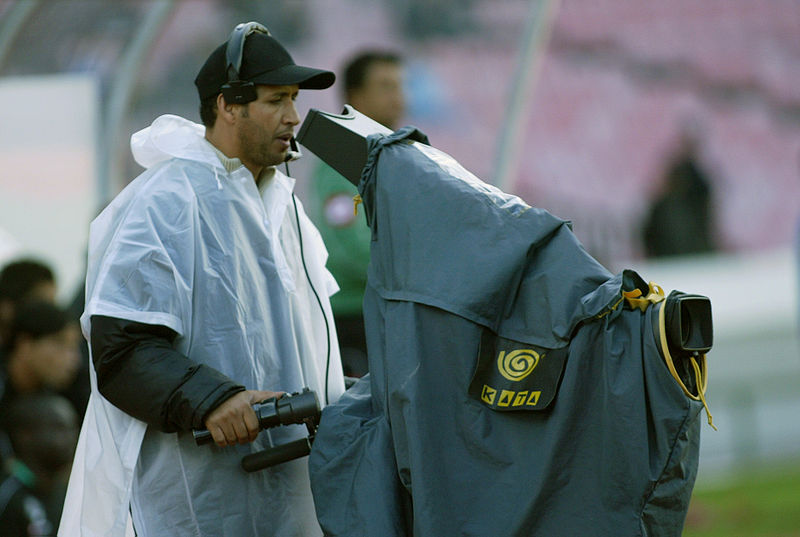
[381,97]
[265,126]
[44,291]
[55,357]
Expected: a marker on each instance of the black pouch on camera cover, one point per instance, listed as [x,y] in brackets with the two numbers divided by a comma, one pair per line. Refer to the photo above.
[511,375]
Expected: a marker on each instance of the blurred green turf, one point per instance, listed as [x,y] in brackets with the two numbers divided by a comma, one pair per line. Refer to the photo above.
[754,503]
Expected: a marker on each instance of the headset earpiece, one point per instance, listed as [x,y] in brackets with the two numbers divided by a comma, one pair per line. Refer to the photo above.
[238,91]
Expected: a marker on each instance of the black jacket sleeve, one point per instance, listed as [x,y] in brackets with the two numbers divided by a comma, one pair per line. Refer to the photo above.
[140,372]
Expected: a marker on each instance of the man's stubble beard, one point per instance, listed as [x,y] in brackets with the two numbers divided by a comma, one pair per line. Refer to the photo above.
[255,143]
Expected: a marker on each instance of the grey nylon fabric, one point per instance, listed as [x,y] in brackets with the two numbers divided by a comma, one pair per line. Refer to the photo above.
[408,451]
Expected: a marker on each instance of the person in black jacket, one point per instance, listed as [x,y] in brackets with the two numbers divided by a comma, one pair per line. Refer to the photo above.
[680,220]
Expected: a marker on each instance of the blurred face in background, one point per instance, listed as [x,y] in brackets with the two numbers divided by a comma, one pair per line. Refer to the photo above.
[381,97]
[44,291]
[52,359]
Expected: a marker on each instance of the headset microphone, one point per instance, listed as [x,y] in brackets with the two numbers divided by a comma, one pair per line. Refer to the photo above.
[294,152]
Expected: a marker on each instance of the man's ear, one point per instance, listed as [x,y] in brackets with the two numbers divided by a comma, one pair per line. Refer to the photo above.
[225,110]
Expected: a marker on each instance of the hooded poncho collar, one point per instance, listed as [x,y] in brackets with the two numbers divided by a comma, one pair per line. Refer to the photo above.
[172,136]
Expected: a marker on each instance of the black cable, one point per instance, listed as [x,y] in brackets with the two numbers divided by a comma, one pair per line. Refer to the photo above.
[316,295]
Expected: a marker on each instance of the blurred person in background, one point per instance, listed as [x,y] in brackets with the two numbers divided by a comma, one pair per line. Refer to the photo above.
[24,280]
[43,431]
[40,356]
[373,85]
[41,353]
[680,221]
[206,290]
[21,280]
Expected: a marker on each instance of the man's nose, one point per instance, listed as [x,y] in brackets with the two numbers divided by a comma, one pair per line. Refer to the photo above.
[292,117]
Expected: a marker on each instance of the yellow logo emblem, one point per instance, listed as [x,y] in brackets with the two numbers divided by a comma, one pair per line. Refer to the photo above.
[516,365]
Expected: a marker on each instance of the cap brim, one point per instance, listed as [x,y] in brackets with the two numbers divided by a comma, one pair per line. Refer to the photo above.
[304,77]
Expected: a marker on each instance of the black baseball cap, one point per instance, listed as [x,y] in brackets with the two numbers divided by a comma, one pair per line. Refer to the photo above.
[264,61]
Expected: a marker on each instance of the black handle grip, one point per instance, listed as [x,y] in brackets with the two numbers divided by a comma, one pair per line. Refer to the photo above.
[289,409]
[276,455]
[202,437]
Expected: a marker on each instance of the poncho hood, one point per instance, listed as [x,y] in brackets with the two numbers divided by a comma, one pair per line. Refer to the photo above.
[172,136]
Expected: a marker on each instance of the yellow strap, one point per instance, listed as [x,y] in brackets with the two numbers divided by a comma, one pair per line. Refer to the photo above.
[699,370]
[702,390]
[635,299]
[356,200]
[654,296]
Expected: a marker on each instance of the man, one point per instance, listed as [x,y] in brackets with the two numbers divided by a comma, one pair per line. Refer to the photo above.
[21,280]
[43,429]
[41,355]
[206,290]
[680,220]
[373,85]
[26,280]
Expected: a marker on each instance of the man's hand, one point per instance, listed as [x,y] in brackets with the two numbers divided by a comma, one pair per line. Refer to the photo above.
[235,421]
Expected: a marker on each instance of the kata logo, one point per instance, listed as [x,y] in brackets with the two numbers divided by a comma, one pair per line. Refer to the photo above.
[509,398]
[516,365]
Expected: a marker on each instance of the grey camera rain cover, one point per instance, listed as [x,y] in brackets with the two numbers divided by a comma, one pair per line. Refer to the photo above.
[475,302]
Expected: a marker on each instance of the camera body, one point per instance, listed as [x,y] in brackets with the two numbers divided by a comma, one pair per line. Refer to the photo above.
[340,140]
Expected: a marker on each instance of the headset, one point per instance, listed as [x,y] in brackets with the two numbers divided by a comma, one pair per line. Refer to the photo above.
[239,91]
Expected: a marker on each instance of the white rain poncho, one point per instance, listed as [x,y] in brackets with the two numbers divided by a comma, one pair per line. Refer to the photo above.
[200,250]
